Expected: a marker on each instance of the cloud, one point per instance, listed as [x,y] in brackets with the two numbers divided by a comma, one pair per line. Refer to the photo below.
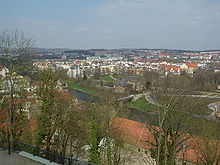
[107,32]
[164,11]
[124,23]
[80,29]
[182,23]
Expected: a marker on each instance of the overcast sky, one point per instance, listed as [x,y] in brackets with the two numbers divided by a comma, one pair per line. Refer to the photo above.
[84,24]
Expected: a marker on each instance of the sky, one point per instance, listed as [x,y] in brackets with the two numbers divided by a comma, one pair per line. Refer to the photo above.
[86,24]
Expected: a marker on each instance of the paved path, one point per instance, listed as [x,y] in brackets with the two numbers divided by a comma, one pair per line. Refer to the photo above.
[151,100]
[113,77]
[127,98]
[201,96]
[14,159]
[215,107]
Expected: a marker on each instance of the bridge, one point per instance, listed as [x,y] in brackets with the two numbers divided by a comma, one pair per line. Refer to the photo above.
[127,98]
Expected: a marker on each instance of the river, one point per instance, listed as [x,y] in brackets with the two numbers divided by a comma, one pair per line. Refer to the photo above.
[130,113]
[83,95]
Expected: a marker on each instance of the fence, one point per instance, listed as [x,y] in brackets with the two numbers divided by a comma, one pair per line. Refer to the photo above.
[53,157]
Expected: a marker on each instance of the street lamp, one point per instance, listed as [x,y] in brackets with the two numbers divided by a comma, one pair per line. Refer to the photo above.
[8,135]
[184,146]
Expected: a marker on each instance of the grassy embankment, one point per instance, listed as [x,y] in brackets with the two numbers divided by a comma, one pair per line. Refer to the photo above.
[194,124]
[119,76]
[91,89]
[75,85]
[144,105]
[106,78]
[192,105]
[197,106]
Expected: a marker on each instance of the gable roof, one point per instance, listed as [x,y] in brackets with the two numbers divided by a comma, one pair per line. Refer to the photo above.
[192,65]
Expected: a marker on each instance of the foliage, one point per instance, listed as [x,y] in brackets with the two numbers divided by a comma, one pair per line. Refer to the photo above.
[46,95]
[15,48]
[95,139]
[171,131]
[104,149]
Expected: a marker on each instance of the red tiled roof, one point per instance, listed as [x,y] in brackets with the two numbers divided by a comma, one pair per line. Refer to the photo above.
[32,124]
[192,65]
[132,132]
[176,68]
[1,67]
[163,55]
[167,69]
[139,134]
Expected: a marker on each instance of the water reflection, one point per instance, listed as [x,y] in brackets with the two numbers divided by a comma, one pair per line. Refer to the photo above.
[131,113]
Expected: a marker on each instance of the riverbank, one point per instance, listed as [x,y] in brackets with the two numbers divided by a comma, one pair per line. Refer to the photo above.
[74,85]
[82,95]
[108,78]
[151,118]
[143,105]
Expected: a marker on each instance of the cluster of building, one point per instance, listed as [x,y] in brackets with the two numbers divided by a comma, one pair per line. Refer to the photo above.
[23,90]
[130,54]
[16,84]
[135,61]
[78,68]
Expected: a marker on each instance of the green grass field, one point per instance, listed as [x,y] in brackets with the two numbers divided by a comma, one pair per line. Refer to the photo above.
[196,125]
[107,78]
[191,105]
[82,88]
[144,105]
[119,76]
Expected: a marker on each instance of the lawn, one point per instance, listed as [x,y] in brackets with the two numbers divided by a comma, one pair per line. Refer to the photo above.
[75,85]
[119,76]
[90,89]
[107,78]
[191,105]
[196,125]
[144,105]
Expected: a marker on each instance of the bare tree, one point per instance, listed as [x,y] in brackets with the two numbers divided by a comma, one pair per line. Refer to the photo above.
[103,137]
[207,147]
[70,133]
[12,44]
[171,131]
[208,151]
